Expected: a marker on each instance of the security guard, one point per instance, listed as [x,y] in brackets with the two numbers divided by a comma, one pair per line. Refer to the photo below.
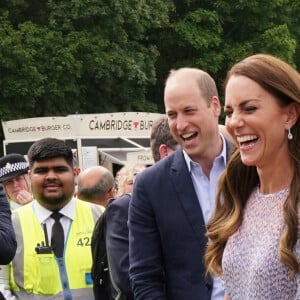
[53,259]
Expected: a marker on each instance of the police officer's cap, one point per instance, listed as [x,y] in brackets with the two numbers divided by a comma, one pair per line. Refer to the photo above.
[12,165]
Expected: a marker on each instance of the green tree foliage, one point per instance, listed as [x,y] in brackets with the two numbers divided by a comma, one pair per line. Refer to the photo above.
[292,16]
[92,56]
[255,26]
[61,57]
[213,35]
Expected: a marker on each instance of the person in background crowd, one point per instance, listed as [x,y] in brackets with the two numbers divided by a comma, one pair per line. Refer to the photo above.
[161,140]
[125,177]
[254,233]
[173,199]
[96,184]
[8,246]
[16,183]
[53,258]
[77,171]
[15,180]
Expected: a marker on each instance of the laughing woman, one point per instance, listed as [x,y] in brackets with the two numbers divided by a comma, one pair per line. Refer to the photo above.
[254,234]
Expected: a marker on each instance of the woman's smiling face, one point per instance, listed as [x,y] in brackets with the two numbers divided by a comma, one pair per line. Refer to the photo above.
[256,121]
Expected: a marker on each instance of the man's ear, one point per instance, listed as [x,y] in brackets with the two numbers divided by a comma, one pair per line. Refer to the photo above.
[163,151]
[215,102]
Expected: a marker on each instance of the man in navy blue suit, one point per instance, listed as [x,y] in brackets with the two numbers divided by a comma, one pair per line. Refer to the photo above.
[173,199]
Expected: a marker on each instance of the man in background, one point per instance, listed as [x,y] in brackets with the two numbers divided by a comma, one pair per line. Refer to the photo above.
[96,185]
[161,140]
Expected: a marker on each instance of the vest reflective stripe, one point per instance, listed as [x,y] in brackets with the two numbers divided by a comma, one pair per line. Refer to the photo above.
[40,274]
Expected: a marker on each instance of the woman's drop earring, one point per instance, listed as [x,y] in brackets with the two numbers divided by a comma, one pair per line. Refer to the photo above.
[290,135]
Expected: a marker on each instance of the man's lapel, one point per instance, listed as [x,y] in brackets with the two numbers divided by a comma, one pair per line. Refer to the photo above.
[186,194]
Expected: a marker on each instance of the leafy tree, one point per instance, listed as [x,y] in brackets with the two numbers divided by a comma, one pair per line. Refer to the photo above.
[292,19]
[62,57]
[213,35]
[255,26]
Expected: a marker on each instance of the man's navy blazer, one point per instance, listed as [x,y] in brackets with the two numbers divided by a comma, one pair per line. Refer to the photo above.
[167,234]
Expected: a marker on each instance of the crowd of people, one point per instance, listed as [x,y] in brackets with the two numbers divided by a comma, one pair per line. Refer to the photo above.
[215,217]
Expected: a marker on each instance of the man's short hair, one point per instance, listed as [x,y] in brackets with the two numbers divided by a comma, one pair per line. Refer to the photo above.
[48,148]
[205,82]
[161,134]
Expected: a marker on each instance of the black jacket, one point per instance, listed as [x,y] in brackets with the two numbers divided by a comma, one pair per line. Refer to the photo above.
[118,246]
[8,244]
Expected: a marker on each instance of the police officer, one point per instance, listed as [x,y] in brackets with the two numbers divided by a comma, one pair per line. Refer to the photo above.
[8,246]
[16,185]
[15,180]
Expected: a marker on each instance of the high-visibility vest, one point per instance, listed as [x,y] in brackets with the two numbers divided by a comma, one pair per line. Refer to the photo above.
[41,275]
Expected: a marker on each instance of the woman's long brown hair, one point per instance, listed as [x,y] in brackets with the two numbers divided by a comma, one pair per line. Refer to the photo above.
[238,181]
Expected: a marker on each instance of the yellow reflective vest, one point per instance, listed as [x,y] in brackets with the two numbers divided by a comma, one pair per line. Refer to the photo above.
[41,275]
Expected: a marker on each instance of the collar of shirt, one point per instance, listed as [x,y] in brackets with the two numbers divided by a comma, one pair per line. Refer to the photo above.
[42,213]
[222,155]
[205,187]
